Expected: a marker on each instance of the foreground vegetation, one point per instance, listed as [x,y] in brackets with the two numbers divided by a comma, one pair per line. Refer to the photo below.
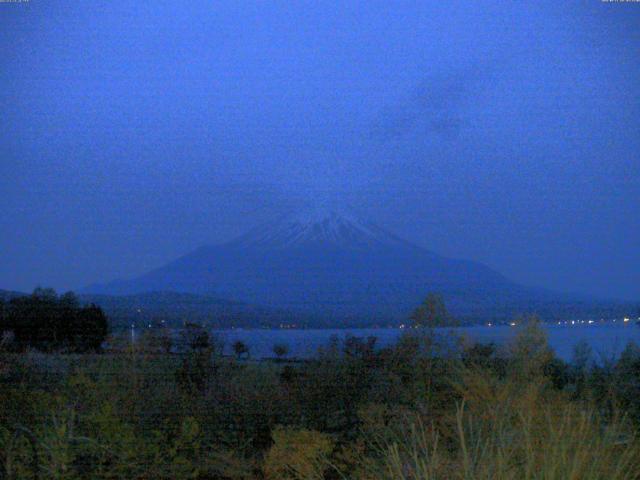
[428,408]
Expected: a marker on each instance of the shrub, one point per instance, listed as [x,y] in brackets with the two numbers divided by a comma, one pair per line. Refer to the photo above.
[297,454]
[280,350]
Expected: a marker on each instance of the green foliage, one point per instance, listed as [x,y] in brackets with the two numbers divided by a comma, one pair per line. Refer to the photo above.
[198,361]
[432,313]
[530,349]
[550,439]
[425,408]
[297,454]
[500,428]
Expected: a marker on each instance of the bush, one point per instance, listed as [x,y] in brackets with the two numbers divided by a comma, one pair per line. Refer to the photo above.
[280,350]
[297,454]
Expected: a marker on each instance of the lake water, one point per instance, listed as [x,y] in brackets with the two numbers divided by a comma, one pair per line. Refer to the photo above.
[606,339]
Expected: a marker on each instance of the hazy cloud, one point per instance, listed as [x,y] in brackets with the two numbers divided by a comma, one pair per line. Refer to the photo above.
[434,106]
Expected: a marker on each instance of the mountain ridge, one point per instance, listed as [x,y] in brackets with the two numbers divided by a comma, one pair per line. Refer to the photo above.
[346,270]
[318,226]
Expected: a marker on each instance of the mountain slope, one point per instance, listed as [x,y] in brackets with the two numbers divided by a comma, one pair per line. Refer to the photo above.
[348,271]
[6,295]
[174,309]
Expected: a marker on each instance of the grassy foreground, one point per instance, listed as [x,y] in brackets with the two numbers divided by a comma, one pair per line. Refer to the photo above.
[424,409]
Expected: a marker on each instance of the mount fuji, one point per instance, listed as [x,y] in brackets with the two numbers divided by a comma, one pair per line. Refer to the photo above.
[332,265]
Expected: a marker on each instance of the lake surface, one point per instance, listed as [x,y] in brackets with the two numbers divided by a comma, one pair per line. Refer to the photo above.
[606,339]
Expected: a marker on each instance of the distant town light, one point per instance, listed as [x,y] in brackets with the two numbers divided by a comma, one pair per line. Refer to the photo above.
[626,319]
[513,324]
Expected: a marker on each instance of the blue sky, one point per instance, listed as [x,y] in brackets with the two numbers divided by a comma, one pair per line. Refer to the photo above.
[503,132]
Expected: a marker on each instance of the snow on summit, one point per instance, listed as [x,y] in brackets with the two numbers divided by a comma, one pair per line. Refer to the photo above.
[319,226]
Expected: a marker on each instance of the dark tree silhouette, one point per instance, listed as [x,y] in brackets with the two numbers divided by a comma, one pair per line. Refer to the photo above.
[47,322]
[240,349]
[198,365]
[432,313]
[281,350]
[195,338]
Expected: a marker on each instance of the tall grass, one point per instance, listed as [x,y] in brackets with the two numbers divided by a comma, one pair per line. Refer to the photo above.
[405,413]
[503,431]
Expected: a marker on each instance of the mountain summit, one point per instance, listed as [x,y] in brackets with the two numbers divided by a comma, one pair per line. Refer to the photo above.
[332,265]
[329,227]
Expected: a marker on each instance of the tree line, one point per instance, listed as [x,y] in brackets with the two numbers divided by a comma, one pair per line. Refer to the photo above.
[47,321]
